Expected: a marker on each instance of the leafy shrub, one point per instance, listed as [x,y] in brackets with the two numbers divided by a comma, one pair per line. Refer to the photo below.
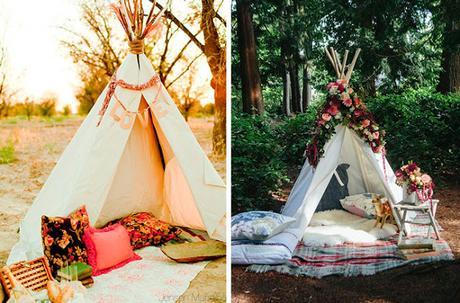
[421,126]
[47,108]
[294,135]
[257,170]
[7,153]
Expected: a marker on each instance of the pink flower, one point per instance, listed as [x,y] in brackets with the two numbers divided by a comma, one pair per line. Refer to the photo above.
[376,135]
[357,101]
[320,122]
[333,110]
[347,102]
[326,117]
[426,179]
[330,85]
[365,123]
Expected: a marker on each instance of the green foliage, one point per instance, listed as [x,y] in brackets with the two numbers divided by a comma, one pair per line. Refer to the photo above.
[294,134]
[421,126]
[66,110]
[257,169]
[7,153]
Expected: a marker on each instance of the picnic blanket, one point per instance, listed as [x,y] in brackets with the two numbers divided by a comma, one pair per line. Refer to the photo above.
[351,260]
[155,278]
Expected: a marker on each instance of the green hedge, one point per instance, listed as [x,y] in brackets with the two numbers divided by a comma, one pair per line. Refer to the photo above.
[424,127]
[257,169]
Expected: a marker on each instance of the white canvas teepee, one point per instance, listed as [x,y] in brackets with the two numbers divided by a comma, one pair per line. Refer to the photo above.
[138,154]
[369,171]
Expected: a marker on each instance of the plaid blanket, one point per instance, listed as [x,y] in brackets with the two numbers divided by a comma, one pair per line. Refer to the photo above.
[352,259]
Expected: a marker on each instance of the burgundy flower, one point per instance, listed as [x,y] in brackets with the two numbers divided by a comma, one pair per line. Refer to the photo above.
[358,113]
[411,167]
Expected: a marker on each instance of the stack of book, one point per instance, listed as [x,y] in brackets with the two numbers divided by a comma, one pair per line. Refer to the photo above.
[416,249]
[80,271]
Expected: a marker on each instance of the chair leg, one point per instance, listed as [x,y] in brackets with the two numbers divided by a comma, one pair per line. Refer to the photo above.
[433,223]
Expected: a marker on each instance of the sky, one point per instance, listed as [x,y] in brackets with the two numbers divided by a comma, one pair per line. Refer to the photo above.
[38,64]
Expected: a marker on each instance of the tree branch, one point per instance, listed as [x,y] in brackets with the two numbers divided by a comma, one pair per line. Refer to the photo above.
[168,14]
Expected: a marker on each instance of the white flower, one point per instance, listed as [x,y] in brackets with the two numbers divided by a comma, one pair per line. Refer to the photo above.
[370,137]
[338,116]
[333,90]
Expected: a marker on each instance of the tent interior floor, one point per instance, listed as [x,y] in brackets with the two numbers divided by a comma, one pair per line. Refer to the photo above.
[436,282]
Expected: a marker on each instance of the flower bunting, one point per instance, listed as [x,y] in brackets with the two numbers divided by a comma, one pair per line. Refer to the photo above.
[343,106]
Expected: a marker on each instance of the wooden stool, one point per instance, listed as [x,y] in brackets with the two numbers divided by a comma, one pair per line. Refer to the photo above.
[401,210]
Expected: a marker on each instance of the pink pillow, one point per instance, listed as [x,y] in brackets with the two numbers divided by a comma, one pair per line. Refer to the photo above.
[108,248]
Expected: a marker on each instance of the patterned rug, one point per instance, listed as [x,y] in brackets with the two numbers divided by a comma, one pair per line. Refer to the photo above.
[155,278]
[351,260]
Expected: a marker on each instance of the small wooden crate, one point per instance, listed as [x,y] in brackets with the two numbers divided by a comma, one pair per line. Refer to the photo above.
[33,275]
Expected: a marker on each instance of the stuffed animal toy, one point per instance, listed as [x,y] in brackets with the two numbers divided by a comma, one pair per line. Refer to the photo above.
[382,211]
[59,293]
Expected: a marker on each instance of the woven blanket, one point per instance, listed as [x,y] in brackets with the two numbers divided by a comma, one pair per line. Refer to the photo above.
[351,260]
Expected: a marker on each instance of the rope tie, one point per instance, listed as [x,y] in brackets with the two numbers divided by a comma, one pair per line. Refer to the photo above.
[136,46]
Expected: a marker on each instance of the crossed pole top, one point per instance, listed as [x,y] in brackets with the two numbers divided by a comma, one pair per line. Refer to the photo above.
[130,13]
[341,68]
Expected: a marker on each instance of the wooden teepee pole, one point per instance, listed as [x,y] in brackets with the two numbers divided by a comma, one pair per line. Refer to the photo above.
[352,65]
[344,64]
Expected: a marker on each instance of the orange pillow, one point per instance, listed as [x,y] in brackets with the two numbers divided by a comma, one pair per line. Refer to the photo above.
[108,248]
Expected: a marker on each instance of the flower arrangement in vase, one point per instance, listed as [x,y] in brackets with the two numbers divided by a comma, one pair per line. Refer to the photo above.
[418,186]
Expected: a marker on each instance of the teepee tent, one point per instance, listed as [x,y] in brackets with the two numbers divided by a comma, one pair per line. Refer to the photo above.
[134,152]
[368,170]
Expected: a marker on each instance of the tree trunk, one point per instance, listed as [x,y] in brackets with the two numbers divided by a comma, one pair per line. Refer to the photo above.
[306,89]
[216,57]
[449,79]
[250,76]
[295,88]
[286,94]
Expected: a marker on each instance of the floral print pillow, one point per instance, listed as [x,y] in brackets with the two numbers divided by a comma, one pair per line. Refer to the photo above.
[145,230]
[360,205]
[258,225]
[62,239]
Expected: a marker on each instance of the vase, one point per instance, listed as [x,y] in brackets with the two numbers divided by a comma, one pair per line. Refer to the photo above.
[411,198]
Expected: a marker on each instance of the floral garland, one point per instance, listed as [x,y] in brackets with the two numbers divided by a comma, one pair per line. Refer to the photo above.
[343,106]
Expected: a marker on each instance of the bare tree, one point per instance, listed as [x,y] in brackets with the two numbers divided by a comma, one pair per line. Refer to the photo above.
[214,49]
[6,92]
[188,98]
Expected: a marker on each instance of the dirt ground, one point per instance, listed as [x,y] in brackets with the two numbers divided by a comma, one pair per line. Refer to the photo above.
[438,282]
[38,145]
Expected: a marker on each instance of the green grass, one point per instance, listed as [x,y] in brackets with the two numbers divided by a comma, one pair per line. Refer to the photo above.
[7,153]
